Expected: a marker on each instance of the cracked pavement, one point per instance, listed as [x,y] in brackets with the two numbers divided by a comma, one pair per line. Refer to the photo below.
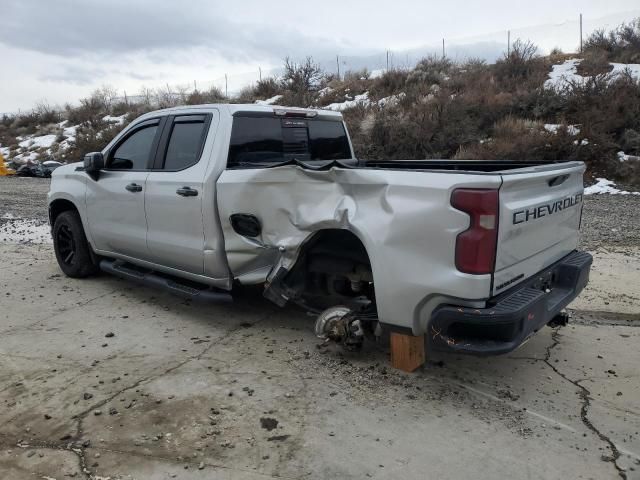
[181,390]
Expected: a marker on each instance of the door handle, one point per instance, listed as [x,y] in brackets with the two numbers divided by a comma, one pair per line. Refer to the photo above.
[134,187]
[187,192]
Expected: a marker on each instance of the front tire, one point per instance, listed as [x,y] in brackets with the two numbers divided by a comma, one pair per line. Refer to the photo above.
[73,252]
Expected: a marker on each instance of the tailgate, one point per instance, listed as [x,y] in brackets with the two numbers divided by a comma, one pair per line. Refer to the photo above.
[539,223]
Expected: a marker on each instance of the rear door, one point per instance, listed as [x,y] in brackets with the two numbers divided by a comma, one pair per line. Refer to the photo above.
[263,140]
[115,202]
[174,195]
[540,211]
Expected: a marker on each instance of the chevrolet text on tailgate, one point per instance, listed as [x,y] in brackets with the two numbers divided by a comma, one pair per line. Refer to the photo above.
[475,255]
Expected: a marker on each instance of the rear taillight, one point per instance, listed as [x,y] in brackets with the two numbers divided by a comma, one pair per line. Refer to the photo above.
[476,246]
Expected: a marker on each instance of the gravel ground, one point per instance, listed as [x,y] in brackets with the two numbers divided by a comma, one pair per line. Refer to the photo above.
[607,219]
[611,220]
[24,197]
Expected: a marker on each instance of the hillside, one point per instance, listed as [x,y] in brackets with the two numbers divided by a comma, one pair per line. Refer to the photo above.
[562,106]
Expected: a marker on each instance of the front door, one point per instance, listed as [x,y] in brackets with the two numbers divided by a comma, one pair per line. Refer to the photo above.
[115,202]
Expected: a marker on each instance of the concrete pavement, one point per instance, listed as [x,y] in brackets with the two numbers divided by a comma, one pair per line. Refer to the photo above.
[101,378]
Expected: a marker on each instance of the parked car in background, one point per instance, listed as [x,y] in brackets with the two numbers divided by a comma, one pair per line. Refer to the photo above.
[49,166]
[30,171]
[40,170]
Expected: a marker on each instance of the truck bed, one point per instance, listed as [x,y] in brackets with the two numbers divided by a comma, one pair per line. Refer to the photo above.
[484,166]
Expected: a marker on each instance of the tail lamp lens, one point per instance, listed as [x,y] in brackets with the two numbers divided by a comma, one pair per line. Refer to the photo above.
[476,246]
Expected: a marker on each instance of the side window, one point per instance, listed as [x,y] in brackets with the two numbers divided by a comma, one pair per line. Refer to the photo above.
[185,142]
[134,152]
[255,140]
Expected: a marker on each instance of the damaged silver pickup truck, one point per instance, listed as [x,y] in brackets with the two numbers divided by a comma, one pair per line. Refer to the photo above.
[477,255]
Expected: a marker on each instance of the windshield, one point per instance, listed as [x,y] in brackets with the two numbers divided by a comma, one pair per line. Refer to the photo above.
[260,141]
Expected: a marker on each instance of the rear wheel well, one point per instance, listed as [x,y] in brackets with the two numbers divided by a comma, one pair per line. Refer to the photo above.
[333,268]
[57,207]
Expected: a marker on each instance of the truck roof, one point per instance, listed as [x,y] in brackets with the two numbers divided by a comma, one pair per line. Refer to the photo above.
[246,107]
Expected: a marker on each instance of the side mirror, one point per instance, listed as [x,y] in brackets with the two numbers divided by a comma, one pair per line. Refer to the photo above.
[93,163]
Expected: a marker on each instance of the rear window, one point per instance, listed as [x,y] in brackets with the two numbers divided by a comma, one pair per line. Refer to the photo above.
[184,145]
[261,141]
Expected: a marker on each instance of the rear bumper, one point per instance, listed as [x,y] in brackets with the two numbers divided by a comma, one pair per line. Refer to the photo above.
[513,316]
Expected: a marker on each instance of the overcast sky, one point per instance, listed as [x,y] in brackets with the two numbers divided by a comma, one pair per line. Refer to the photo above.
[61,50]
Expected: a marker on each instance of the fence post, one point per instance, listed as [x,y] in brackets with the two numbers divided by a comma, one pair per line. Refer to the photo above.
[580,33]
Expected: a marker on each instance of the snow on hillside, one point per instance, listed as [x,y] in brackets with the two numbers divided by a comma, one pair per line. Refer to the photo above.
[118,120]
[623,157]
[269,101]
[364,100]
[38,147]
[42,141]
[566,73]
[554,127]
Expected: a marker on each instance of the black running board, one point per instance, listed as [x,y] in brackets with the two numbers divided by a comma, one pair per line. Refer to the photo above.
[169,284]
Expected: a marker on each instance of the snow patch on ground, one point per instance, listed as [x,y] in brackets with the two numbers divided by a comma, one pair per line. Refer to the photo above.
[26,157]
[23,231]
[362,99]
[4,151]
[377,73]
[269,101]
[566,73]
[622,68]
[111,119]
[42,141]
[623,157]
[70,132]
[392,100]
[324,91]
[606,186]
[554,127]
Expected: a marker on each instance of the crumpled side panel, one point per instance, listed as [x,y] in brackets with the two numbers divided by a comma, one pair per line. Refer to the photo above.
[403,218]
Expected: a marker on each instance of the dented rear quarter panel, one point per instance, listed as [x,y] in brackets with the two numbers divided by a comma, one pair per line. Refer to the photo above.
[403,218]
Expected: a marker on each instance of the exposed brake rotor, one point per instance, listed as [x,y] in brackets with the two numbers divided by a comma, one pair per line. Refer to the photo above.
[340,325]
